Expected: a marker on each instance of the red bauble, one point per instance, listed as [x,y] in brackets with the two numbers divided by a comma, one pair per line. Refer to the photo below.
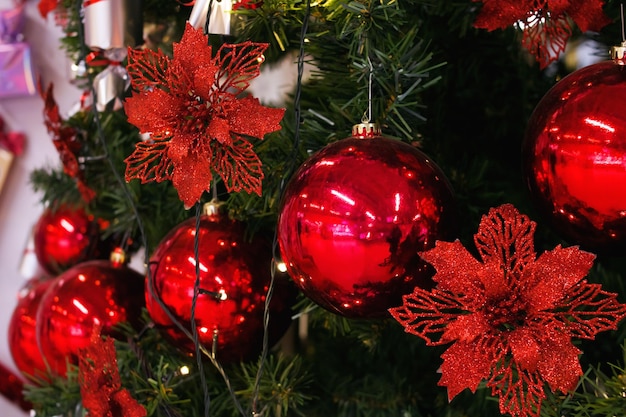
[354,217]
[99,291]
[234,277]
[65,237]
[22,329]
[574,156]
[12,388]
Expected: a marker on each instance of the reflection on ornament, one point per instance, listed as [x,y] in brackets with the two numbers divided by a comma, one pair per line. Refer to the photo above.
[102,291]
[354,218]
[22,329]
[64,237]
[574,156]
[234,278]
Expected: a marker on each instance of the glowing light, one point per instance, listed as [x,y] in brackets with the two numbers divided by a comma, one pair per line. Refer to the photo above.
[203,330]
[80,306]
[184,370]
[532,20]
[67,226]
[193,262]
[605,159]
[342,197]
[221,295]
[281,266]
[397,201]
[600,124]
[370,215]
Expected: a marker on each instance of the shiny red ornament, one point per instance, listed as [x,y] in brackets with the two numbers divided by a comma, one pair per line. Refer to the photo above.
[234,278]
[104,292]
[64,237]
[510,317]
[22,333]
[353,218]
[12,388]
[574,156]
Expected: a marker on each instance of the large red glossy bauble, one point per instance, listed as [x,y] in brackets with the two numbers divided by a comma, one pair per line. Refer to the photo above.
[64,237]
[22,329]
[353,219]
[98,291]
[12,388]
[234,277]
[574,156]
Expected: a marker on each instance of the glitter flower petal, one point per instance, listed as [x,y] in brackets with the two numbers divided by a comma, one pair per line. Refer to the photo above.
[548,284]
[164,110]
[461,275]
[511,318]
[465,365]
[558,362]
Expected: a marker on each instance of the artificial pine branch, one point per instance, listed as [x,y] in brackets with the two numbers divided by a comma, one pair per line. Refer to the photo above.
[468,115]
[55,186]
[53,395]
[283,389]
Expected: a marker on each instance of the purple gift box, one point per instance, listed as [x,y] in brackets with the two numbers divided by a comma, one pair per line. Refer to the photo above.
[11,24]
[16,70]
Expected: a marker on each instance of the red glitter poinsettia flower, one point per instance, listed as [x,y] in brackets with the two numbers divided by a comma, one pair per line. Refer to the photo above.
[197,122]
[510,318]
[66,143]
[546,23]
[100,384]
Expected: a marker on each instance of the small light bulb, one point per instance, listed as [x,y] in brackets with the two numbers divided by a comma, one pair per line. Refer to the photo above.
[184,370]
[281,266]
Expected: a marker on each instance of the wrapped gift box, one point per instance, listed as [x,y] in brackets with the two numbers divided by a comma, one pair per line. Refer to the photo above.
[16,71]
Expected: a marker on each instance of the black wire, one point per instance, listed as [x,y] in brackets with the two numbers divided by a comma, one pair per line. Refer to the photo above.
[194,301]
[291,167]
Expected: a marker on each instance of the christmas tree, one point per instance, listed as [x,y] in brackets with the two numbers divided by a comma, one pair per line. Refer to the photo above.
[435,169]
